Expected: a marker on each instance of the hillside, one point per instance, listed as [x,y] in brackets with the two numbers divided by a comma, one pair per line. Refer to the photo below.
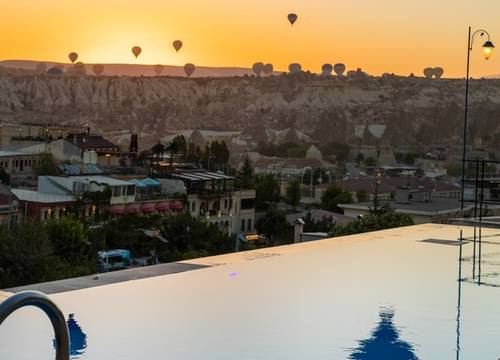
[416,111]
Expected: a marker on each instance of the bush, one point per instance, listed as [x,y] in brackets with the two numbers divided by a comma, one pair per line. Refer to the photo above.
[374,221]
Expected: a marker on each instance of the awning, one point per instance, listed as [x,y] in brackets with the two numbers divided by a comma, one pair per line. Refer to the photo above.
[132,209]
[117,209]
[163,206]
[176,205]
[148,208]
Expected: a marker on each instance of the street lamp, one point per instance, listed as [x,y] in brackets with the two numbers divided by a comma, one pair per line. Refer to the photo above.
[488,48]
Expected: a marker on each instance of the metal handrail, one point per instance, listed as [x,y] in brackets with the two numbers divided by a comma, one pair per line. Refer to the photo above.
[41,301]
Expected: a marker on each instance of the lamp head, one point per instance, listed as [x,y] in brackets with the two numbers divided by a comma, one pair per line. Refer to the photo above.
[488,48]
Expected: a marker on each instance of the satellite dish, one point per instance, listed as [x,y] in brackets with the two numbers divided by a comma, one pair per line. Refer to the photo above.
[339,69]
[377,130]
[359,131]
[268,69]
[428,72]
[258,68]
[326,70]
[438,72]
[295,68]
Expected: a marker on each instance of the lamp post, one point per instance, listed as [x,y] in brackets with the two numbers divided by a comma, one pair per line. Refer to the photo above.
[488,51]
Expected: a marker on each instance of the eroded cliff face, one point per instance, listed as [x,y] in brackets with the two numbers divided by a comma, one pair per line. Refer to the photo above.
[415,110]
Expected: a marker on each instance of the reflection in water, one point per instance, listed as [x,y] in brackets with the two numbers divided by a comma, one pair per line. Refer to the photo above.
[77,338]
[384,342]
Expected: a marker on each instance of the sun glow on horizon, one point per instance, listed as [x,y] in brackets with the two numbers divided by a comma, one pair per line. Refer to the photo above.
[389,36]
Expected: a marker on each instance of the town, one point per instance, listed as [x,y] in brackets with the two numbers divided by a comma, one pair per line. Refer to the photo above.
[127,206]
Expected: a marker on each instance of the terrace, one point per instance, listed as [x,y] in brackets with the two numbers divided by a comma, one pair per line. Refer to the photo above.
[390,294]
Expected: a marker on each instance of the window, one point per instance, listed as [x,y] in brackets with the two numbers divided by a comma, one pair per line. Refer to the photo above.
[249,225]
[247,204]
[226,203]
[130,190]
[193,206]
[242,225]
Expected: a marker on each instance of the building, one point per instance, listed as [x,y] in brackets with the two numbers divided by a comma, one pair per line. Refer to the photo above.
[20,135]
[121,192]
[41,206]
[19,165]
[387,186]
[214,197]
[96,149]
[422,212]
[62,150]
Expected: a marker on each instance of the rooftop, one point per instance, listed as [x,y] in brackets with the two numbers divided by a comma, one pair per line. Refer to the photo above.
[39,197]
[435,207]
[394,290]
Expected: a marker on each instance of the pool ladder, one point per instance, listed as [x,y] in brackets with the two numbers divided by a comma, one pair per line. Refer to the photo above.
[41,301]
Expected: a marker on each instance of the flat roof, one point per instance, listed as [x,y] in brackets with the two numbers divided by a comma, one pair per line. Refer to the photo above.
[40,197]
[394,291]
[435,207]
[201,176]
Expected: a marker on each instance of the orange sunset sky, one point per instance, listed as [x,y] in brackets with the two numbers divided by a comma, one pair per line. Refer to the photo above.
[399,36]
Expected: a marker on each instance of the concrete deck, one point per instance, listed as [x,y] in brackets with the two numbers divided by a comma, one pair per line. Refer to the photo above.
[90,281]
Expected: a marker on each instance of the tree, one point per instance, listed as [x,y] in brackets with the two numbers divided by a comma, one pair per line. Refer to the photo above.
[370,161]
[68,239]
[46,165]
[190,237]
[333,196]
[274,226]
[267,191]
[158,150]
[181,146]
[362,196]
[173,149]
[380,220]
[4,176]
[245,174]
[294,193]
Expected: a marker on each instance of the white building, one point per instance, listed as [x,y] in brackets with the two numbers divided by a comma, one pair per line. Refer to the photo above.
[213,196]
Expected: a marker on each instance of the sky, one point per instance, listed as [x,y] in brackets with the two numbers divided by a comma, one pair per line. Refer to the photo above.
[400,36]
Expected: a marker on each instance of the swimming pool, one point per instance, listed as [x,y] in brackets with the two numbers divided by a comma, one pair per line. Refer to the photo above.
[385,295]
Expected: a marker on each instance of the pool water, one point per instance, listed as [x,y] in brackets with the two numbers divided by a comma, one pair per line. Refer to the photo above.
[385,295]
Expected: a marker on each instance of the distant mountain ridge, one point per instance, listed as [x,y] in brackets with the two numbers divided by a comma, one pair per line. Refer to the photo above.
[134,69]
[417,112]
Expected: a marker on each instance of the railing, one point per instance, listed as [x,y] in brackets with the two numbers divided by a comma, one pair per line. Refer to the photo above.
[39,300]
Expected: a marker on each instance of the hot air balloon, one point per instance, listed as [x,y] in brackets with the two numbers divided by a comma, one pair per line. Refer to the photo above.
[257,68]
[294,68]
[339,69]
[438,72]
[326,70]
[73,56]
[268,69]
[158,69]
[98,69]
[189,69]
[292,18]
[41,67]
[136,50]
[428,72]
[177,45]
